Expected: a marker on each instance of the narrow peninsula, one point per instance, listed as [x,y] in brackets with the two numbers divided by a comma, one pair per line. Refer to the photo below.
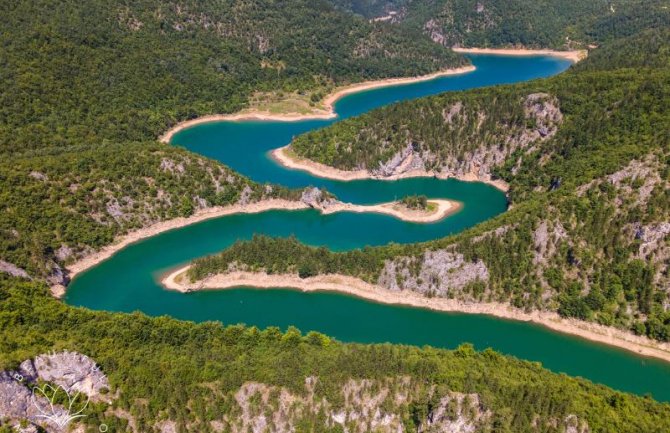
[325,110]
[312,198]
[180,280]
[287,158]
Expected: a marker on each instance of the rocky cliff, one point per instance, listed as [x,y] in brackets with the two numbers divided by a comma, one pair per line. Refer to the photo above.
[447,136]
[25,398]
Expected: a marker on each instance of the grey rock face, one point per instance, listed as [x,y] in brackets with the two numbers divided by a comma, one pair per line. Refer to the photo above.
[439,273]
[456,413]
[38,176]
[365,405]
[245,196]
[543,118]
[170,166]
[13,270]
[314,197]
[18,403]
[72,370]
[15,397]
[455,109]
[167,426]
[57,276]
[63,253]
[434,31]
[311,196]
[28,371]
[115,210]
[546,239]
[408,159]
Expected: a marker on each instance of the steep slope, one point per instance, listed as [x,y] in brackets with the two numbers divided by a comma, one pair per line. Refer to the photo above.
[586,157]
[371,9]
[490,23]
[87,87]
[557,24]
[167,375]
[57,209]
[76,72]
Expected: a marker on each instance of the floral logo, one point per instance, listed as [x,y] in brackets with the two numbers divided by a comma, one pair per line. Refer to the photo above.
[57,406]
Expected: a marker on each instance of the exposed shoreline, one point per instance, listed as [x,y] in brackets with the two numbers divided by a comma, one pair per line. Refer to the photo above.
[314,168]
[574,56]
[394,209]
[444,209]
[214,212]
[359,288]
[328,102]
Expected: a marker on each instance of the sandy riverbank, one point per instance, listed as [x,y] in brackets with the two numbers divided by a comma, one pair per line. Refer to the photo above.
[357,287]
[285,158]
[328,102]
[163,226]
[444,209]
[574,56]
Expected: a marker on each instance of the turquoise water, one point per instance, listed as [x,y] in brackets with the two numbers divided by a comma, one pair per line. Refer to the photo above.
[128,280]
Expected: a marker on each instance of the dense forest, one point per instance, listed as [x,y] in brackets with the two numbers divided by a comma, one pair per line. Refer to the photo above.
[587,163]
[442,135]
[60,208]
[560,24]
[88,86]
[80,73]
[193,375]
[371,9]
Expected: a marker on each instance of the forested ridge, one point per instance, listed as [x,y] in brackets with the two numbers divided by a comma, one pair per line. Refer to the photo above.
[207,377]
[80,73]
[87,87]
[559,24]
[586,155]
[60,209]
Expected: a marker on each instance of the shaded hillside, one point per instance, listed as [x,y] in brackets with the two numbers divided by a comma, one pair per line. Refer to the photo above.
[236,379]
[586,156]
[80,72]
[87,87]
[557,24]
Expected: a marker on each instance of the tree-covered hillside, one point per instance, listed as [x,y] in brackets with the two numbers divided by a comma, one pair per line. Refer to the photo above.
[531,23]
[371,9]
[210,378]
[81,72]
[87,87]
[57,209]
[586,155]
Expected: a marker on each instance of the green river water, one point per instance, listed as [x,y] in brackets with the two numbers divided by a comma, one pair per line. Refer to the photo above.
[128,281]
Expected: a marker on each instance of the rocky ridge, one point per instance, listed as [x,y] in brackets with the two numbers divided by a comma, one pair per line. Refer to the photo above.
[474,155]
[391,405]
[22,400]
[436,273]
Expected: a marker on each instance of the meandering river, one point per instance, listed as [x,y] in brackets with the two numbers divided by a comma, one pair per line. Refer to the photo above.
[128,281]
